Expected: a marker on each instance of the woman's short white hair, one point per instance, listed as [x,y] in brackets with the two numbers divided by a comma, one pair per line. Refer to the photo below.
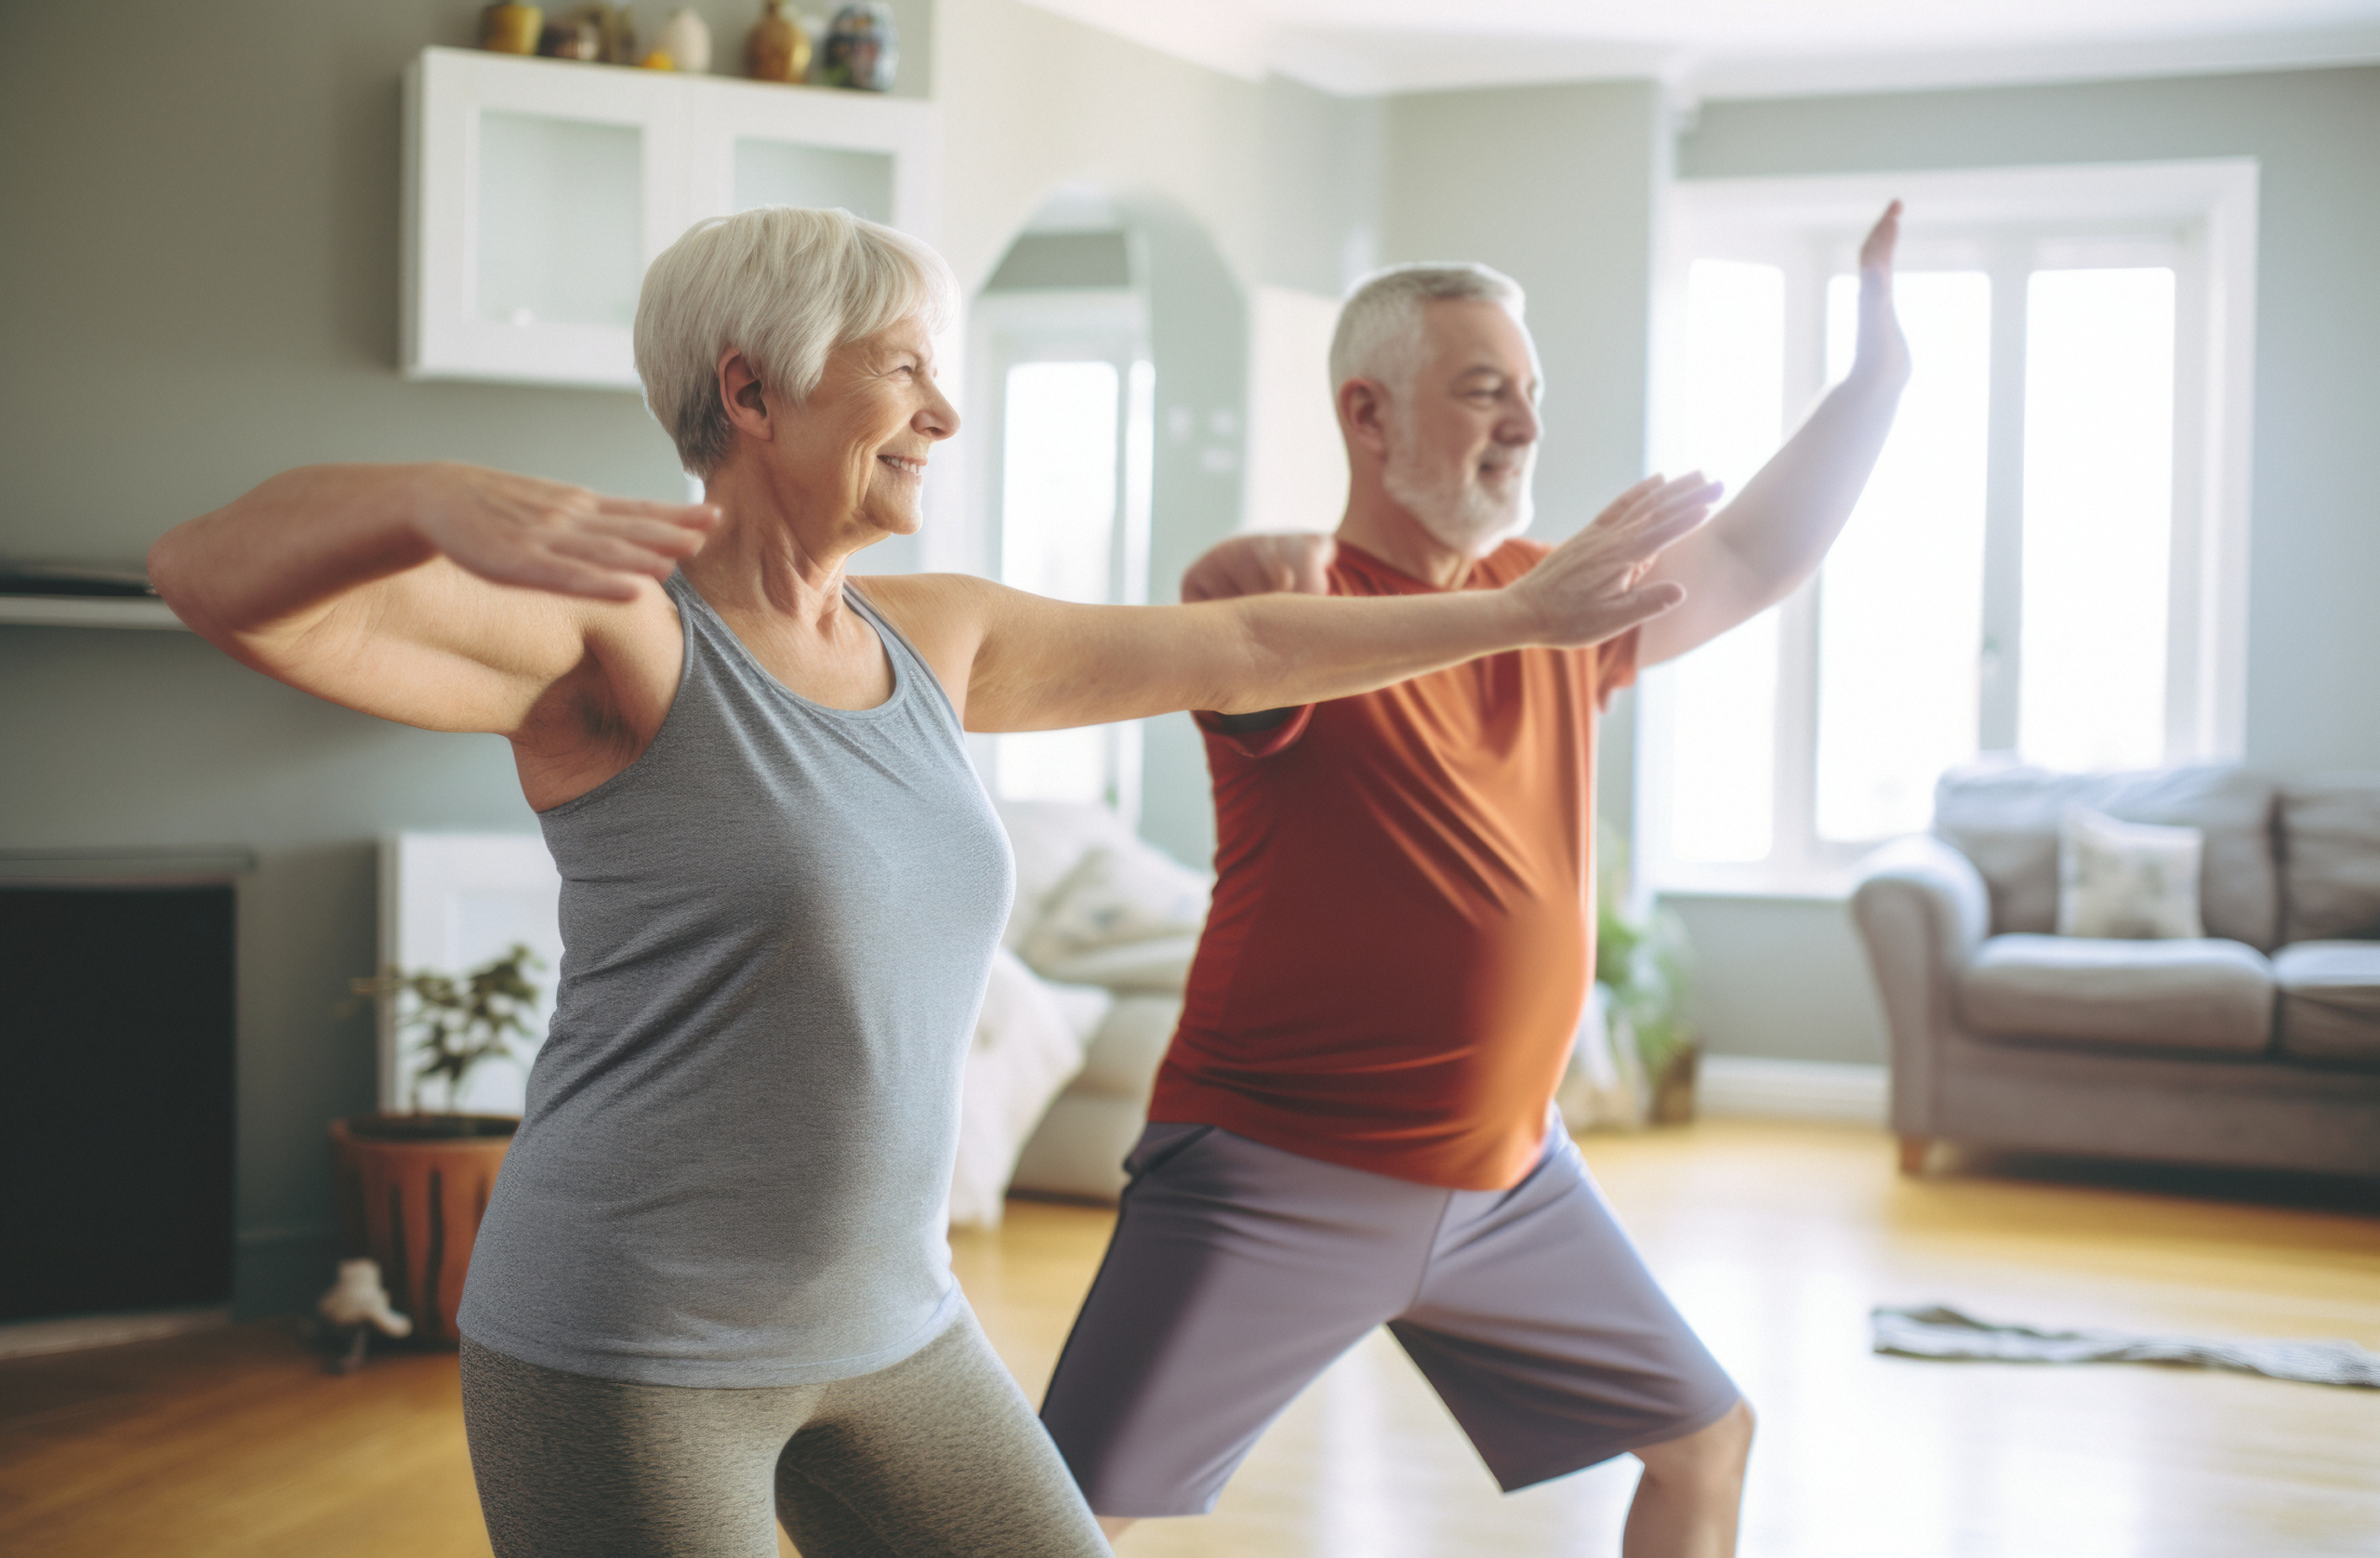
[784,285]
[1379,325]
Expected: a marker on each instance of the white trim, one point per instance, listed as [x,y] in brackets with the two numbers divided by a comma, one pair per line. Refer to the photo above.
[1742,1086]
[1504,47]
[86,610]
[27,1338]
[1712,79]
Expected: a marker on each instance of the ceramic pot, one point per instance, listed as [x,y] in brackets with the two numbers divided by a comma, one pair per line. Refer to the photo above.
[411,1191]
[510,29]
[863,48]
[686,39]
[778,48]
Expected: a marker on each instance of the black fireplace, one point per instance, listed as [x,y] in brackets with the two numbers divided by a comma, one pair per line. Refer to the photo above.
[116,1063]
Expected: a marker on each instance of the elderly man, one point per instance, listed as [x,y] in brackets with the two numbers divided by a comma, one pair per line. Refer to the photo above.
[1353,1126]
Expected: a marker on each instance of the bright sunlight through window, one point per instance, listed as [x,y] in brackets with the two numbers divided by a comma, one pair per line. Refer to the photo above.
[1733,414]
[1058,499]
[1900,599]
[2098,517]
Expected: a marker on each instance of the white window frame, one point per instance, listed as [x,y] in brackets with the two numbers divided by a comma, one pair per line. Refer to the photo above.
[1996,220]
[1059,325]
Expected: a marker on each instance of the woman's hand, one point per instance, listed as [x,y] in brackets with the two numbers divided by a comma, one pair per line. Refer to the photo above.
[377,586]
[549,535]
[1592,587]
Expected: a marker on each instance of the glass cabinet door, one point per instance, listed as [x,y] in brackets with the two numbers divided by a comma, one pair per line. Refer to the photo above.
[538,190]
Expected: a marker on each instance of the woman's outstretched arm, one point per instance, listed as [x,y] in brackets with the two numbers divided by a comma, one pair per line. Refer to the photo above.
[1024,663]
[444,596]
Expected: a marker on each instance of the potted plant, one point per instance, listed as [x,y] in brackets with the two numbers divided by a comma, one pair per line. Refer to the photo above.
[411,1186]
[1641,960]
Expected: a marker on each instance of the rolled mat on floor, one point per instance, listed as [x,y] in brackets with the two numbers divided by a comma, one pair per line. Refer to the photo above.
[1939,1331]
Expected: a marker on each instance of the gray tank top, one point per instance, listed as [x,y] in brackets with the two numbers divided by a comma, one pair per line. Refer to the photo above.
[778,922]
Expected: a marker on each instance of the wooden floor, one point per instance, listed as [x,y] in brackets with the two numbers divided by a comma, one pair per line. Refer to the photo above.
[1774,1238]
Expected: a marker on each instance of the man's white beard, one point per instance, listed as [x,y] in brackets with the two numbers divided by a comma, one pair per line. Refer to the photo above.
[1464,515]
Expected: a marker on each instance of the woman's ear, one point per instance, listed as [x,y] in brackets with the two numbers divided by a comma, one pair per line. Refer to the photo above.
[741,395]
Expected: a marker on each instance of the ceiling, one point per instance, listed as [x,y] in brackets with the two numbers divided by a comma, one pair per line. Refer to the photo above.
[1738,49]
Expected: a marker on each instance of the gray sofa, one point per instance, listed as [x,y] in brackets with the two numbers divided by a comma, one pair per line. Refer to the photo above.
[2258,1046]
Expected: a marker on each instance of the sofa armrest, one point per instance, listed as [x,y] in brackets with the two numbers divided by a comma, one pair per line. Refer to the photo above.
[1922,909]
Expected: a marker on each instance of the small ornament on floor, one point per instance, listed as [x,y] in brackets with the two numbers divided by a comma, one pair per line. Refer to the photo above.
[356,1307]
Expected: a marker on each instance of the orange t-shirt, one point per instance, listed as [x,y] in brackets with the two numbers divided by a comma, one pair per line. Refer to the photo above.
[1403,928]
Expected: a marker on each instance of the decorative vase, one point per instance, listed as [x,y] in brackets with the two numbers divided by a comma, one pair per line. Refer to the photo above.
[510,29]
[863,48]
[778,48]
[411,1190]
[686,41]
[617,29]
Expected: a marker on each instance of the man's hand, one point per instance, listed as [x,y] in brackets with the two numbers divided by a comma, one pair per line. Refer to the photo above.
[1881,356]
[1590,587]
[1295,562]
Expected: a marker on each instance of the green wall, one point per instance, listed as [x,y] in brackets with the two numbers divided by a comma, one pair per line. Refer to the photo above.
[1559,188]
[2313,631]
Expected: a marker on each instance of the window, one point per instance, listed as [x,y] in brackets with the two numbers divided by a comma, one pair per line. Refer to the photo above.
[1073,400]
[2049,558]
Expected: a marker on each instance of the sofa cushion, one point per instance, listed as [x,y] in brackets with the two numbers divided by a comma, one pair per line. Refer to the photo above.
[2330,1001]
[1162,963]
[2129,879]
[1050,838]
[1117,896]
[2330,858]
[1129,1047]
[2005,818]
[2209,996]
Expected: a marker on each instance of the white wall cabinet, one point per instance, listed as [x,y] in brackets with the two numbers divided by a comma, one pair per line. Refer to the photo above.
[538,191]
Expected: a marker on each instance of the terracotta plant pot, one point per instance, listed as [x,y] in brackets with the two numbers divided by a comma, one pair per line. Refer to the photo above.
[411,1190]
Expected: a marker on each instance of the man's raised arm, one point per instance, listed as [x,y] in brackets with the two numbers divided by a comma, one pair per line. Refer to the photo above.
[1759,548]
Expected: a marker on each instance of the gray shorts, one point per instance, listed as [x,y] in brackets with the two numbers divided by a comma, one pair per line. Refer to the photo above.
[1238,1272]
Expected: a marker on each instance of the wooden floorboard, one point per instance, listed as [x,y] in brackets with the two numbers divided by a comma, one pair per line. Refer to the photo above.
[1775,1239]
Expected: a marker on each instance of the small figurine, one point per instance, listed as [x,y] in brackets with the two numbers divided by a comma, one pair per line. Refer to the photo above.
[356,1307]
[577,37]
[863,48]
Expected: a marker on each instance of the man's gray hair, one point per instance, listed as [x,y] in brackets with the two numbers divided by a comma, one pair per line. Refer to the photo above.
[784,287]
[1379,325]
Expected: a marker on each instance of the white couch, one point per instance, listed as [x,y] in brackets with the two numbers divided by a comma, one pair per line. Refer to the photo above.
[1081,1005]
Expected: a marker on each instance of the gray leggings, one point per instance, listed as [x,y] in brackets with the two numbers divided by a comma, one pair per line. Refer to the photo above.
[938,1454]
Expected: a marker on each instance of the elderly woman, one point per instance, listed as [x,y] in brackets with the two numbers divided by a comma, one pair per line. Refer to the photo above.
[712,1282]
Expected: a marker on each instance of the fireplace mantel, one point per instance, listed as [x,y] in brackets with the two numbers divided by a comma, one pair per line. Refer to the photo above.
[86,610]
[195,866]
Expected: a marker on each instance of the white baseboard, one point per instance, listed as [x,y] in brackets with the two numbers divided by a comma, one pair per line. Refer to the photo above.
[27,1338]
[1743,1085]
